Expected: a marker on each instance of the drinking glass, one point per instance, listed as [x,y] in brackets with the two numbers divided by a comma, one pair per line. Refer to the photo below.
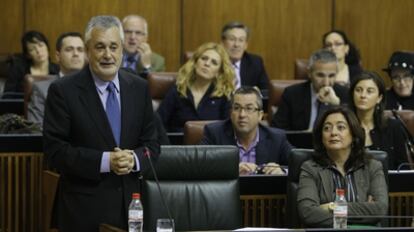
[165,225]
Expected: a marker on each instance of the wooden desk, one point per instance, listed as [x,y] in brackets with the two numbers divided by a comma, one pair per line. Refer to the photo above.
[21,143]
[15,106]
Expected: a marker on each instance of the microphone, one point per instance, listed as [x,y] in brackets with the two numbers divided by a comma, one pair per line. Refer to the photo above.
[405,164]
[406,131]
[147,154]
[408,139]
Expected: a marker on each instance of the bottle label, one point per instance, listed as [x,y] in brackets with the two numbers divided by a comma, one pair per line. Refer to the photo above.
[135,214]
[341,210]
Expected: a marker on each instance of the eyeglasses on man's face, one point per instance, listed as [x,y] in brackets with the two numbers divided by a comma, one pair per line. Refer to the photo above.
[247,109]
[137,33]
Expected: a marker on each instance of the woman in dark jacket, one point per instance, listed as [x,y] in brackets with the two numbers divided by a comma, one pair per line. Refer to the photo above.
[340,162]
[346,53]
[35,61]
[368,102]
[202,91]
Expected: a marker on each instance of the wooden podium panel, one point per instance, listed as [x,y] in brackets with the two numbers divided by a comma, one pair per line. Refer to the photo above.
[20,191]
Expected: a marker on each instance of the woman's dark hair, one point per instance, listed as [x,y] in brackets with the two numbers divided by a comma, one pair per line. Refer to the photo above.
[32,37]
[353,57]
[357,155]
[379,120]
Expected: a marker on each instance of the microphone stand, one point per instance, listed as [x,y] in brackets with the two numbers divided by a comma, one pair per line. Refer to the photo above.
[408,139]
[147,153]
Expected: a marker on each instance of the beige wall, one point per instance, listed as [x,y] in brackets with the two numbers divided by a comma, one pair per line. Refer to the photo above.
[282,30]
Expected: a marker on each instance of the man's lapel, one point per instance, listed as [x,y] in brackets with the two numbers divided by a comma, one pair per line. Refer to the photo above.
[127,105]
[243,70]
[93,106]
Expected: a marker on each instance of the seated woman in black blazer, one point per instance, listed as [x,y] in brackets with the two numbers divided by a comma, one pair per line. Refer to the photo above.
[202,91]
[368,102]
[35,61]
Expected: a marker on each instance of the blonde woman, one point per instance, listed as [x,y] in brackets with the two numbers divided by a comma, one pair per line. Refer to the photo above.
[202,90]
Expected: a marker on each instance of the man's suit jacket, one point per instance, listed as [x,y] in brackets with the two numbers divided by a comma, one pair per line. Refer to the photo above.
[295,109]
[252,71]
[77,132]
[316,187]
[36,107]
[272,147]
[157,64]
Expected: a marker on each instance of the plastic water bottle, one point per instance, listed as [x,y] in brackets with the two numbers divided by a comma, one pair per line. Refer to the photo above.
[340,212]
[135,214]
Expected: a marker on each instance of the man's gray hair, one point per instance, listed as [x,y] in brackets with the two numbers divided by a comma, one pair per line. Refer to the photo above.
[323,56]
[233,25]
[103,22]
[128,17]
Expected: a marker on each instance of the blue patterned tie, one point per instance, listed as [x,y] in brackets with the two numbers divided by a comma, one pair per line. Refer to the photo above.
[131,62]
[113,112]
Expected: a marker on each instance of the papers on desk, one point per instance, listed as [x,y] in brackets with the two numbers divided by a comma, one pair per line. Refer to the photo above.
[259,229]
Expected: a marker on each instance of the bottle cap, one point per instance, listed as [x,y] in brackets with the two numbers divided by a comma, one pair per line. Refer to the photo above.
[136,196]
[340,192]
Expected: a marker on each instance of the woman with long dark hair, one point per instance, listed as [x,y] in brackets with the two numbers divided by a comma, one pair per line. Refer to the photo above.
[368,102]
[35,61]
[347,54]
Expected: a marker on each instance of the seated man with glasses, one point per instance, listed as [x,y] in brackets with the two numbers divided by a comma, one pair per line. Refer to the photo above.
[138,56]
[261,149]
[400,69]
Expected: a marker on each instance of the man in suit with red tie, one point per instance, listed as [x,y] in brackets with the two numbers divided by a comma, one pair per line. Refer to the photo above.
[96,127]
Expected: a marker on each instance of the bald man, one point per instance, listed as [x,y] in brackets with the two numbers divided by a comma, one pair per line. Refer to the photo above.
[138,55]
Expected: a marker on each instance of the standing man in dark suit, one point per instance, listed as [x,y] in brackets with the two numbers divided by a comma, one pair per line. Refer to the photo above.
[138,55]
[249,68]
[260,147]
[96,127]
[302,103]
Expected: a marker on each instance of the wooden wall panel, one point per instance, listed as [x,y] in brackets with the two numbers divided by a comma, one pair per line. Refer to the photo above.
[377,27]
[11,24]
[282,30]
[163,16]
